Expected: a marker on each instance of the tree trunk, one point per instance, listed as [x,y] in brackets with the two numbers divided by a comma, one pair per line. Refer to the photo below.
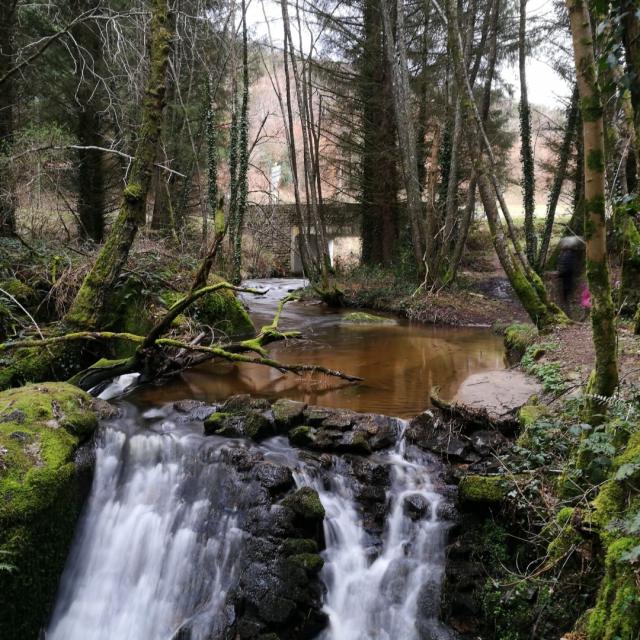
[379,173]
[243,159]
[630,24]
[558,178]
[309,180]
[88,102]
[525,281]
[526,146]
[605,376]
[397,60]
[90,306]
[7,103]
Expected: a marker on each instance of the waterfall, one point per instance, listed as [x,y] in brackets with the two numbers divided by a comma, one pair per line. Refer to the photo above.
[388,591]
[159,548]
[155,548]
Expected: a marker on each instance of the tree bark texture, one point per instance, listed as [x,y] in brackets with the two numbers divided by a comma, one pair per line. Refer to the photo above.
[90,306]
[605,376]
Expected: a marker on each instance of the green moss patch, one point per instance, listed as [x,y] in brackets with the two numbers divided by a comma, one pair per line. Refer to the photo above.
[223,311]
[491,489]
[360,317]
[41,426]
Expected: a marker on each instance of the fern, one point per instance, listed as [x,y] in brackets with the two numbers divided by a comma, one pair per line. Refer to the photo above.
[5,566]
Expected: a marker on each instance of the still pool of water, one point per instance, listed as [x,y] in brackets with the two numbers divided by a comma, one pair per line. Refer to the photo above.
[400,363]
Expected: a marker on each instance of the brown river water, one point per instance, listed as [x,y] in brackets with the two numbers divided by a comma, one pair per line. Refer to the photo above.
[400,363]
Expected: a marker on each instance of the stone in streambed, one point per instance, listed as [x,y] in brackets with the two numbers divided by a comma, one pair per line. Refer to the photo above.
[360,317]
[491,399]
[288,413]
[254,425]
[417,507]
[224,424]
[305,503]
[312,563]
[276,478]
[302,436]
[243,403]
[297,546]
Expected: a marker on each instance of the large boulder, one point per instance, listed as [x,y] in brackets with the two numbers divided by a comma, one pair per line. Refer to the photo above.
[491,399]
[41,494]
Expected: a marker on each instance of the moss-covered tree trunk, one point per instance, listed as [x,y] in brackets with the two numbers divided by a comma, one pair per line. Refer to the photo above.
[91,303]
[526,145]
[605,376]
[630,30]
[243,159]
[526,283]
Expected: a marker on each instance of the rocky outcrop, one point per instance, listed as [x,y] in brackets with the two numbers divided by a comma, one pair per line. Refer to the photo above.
[279,593]
[41,494]
[316,428]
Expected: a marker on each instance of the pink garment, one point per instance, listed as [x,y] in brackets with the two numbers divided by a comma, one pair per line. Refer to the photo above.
[585,298]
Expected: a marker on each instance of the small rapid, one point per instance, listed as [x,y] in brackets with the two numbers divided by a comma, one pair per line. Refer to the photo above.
[386,589]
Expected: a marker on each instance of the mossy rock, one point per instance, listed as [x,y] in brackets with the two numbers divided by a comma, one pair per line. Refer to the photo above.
[561,534]
[288,413]
[297,546]
[305,502]
[518,337]
[223,311]
[531,413]
[257,426]
[21,291]
[489,489]
[312,563]
[244,403]
[616,615]
[302,436]
[224,424]
[41,426]
[360,317]
[254,425]
[617,610]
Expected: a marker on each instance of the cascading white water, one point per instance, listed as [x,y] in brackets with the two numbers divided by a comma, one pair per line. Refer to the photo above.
[159,547]
[156,547]
[392,592]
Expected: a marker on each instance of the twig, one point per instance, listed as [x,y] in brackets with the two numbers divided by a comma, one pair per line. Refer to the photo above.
[35,324]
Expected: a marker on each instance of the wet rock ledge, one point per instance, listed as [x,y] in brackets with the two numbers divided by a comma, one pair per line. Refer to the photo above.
[468,437]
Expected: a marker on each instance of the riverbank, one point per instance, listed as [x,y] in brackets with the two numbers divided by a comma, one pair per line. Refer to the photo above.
[549,545]
[477,299]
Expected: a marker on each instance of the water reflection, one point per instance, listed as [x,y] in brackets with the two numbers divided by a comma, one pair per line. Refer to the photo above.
[400,363]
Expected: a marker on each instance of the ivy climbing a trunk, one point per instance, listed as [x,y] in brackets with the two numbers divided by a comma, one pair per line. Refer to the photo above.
[526,146]
[240,195]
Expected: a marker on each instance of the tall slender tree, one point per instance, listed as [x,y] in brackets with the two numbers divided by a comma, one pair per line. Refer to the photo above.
[526,144]
[605,375]
[91,303]
[7,106]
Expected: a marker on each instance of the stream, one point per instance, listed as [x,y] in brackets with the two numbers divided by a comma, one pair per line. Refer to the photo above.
[159,549]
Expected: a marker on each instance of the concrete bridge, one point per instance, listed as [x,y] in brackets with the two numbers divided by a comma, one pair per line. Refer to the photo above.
[273,228]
